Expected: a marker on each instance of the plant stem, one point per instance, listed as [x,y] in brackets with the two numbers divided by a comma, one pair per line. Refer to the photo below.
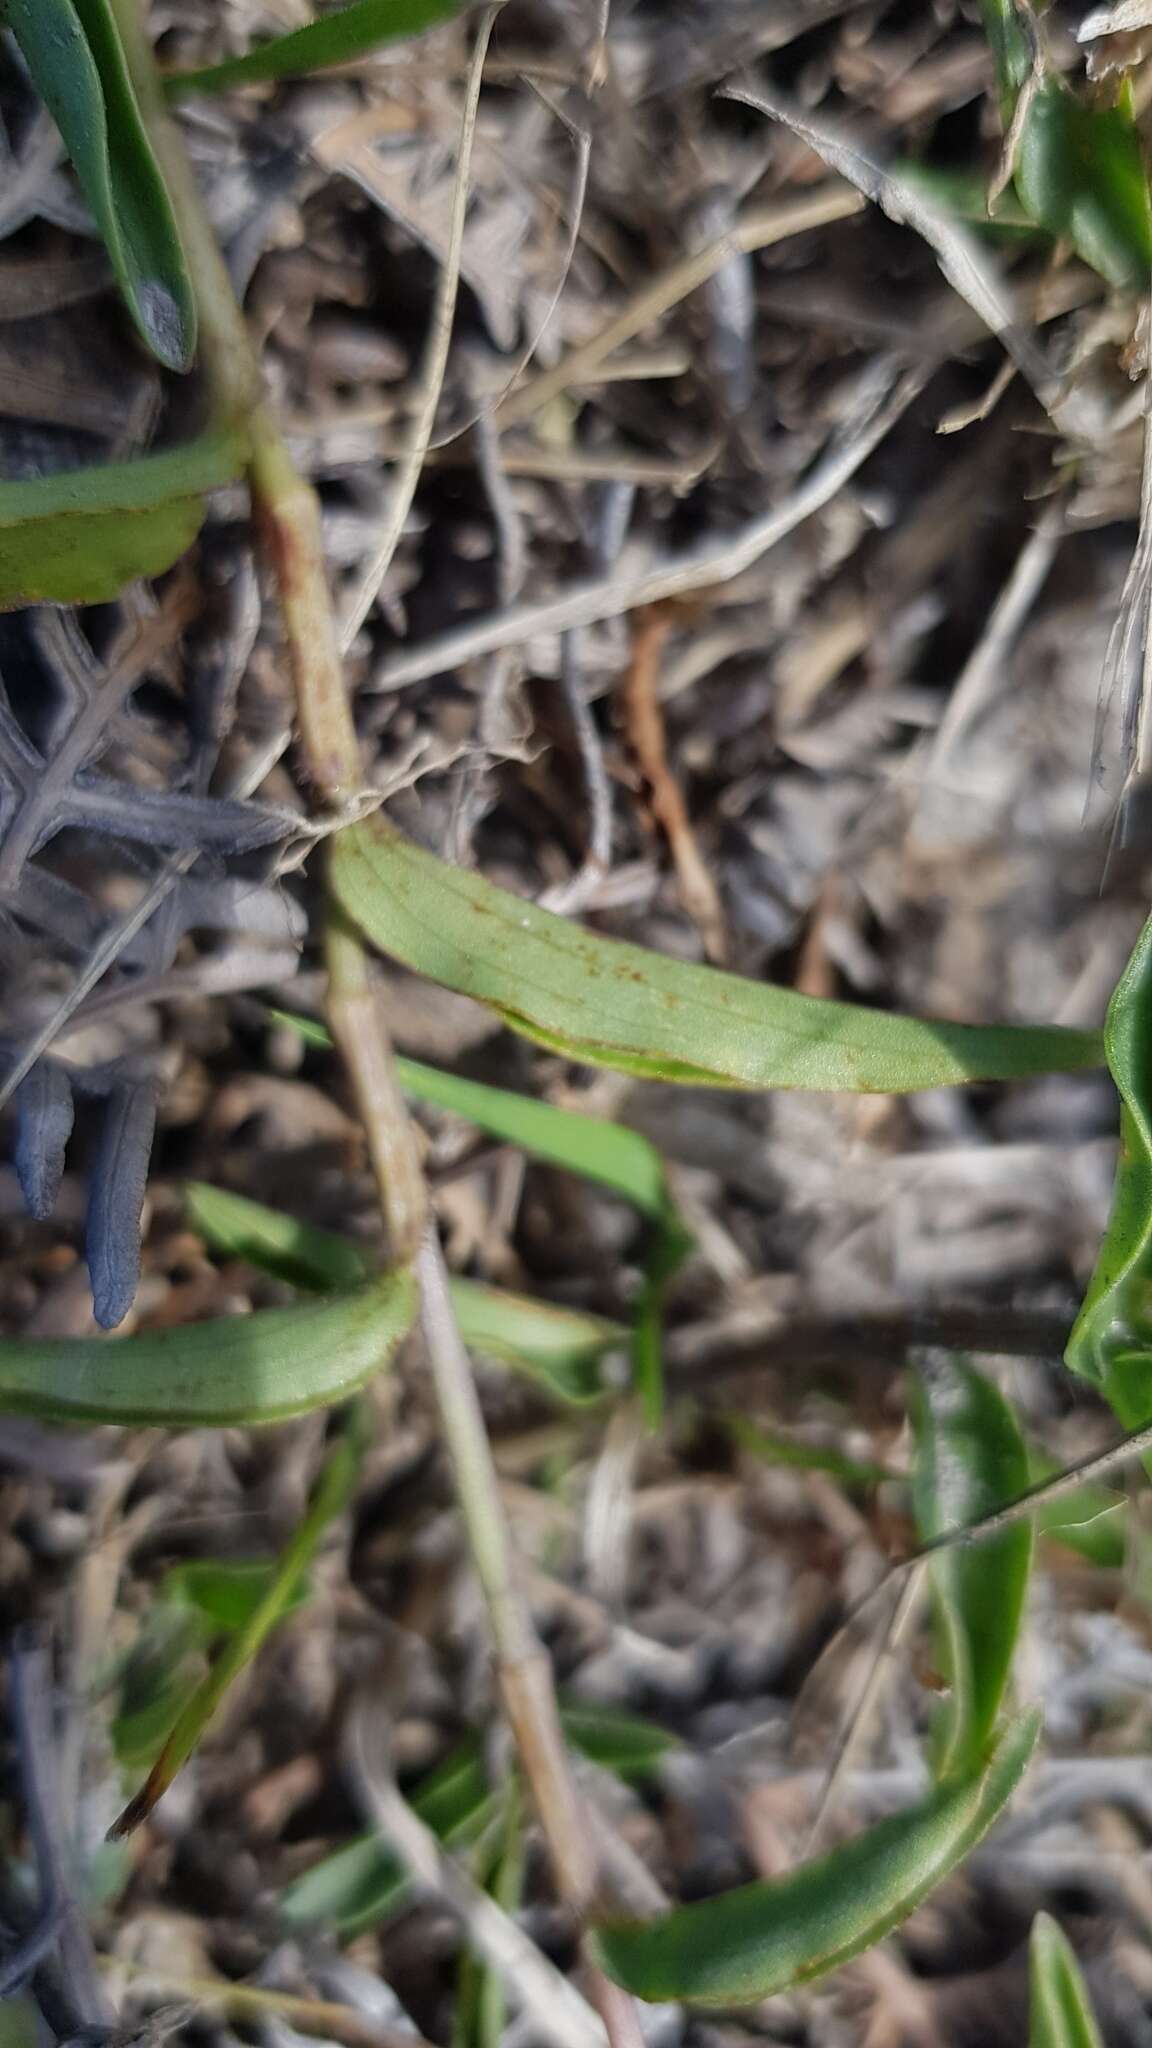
[289,517]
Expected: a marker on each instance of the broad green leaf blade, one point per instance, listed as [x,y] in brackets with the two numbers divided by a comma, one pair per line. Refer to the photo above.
[242,1369]
[970,1458]
[1061,2015]
[72,49]
[330,1496]
[81,536]
[335,38]
[563,1349]
[1111,1341]
[763,1938]
[1080,174]
[621,1006]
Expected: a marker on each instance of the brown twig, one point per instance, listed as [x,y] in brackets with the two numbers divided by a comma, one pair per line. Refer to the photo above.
[644,722]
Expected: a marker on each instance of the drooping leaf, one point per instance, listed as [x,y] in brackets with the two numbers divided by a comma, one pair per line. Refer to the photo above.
[619,1159]
[364,1883]
[1079,172]
[73,50]
[1111,1340]
[330,1496]
[563,1349]
[82,535]
[622,1006]
[241,1369]
[1061,2011]
[336,37]
[970,1458]
[763,1938]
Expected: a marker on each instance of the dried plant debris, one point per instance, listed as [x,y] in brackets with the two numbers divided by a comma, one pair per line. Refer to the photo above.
[746,384]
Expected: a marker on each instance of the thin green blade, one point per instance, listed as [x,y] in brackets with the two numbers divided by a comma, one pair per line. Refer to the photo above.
[335,38]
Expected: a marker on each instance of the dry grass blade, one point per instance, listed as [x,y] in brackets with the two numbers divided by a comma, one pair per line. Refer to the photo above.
[961,260]
[759,230]
[435,363]
[883,397]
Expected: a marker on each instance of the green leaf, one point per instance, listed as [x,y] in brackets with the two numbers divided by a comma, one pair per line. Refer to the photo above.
[72,49]
[1111,1340]
[1093,1521]
[1079,172]
[775,1449]
[563,1349]
[1062,2015]
[242,1369]
[481,2003]
[624,1743]
[330,1496]
[619,1159]
[622,1006]
[970,1458]
[223,1594]
[335,38]
[964,195]
[764,1938]
[1011,50]
[79,537]
[364,1883]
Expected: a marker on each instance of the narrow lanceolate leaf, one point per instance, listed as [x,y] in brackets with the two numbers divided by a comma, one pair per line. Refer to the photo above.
[1061,2014]
[330,1496]
[73,51]
[336,38]
[619,1159]
[82,535]
[764,1938]
[622,1006]
[1111,1341]
[241,1369]
[970,1458]
[562,1349]
[615,1157]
